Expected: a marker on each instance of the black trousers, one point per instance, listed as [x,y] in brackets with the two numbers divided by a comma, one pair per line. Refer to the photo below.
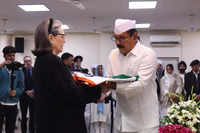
[27,103]
[8,114]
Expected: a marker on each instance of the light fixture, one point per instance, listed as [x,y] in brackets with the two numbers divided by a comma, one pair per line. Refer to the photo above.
[140,26]
[33,8]
[65,27]
[142,4]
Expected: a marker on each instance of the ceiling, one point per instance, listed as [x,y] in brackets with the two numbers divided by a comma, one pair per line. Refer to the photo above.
[169,15]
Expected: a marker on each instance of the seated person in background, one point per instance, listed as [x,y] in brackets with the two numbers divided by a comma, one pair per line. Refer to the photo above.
[192,80]
[67,59]
[77,65]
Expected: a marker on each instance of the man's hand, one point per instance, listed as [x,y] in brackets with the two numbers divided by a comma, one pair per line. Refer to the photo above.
[13,93]
[106,86]
[30,93]
[5,63]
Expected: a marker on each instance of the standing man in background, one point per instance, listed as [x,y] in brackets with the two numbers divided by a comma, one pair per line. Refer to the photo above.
[27,98]
[159,74]
[192,80]
[182,71]
[138,102]
[77,65]
[67,59]
[9,93]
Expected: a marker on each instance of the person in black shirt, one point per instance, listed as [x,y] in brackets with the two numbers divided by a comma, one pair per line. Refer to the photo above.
[192,80]
[67,59]
[77,65]
[27,98]
[59,102]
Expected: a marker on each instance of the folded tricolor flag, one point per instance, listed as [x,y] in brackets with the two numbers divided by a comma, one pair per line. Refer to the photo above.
[96,80]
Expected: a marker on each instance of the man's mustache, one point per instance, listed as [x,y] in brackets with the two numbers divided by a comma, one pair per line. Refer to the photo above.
[120,46]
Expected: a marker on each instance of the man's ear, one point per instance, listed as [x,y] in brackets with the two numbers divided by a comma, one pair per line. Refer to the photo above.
[135,35]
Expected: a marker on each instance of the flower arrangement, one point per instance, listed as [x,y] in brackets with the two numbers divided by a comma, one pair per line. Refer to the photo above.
[185,113]
[174,129]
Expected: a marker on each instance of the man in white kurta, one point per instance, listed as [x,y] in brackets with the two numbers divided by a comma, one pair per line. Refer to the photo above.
[138,103]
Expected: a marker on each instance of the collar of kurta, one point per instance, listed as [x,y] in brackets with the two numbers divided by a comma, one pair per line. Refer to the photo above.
[135,51]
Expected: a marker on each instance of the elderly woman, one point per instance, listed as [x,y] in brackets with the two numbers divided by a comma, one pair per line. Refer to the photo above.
[170,83]
[60,103]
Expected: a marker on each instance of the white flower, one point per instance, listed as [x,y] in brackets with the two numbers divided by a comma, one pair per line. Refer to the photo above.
[190,124]
[194,129]
[195,120]
[186,112]
[180,119]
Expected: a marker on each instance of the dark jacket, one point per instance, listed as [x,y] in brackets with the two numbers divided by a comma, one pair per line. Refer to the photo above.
[28,83]
[192,82]
[60,103]
[5,81]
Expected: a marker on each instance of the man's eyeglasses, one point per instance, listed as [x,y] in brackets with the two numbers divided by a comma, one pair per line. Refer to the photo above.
[121,39]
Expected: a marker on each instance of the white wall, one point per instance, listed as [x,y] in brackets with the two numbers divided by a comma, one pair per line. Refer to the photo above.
[191,46]
[106,45]
[86,45]
[28,47]
[95,48]
[161,51]
[4,41]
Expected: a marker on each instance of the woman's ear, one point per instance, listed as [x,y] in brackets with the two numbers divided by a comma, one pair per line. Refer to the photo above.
[50,36]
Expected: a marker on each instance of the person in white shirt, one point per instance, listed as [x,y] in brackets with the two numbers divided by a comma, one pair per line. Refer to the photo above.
[137,101]
[170,83]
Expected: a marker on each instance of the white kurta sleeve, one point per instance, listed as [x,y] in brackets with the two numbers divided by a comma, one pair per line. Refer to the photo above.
[109,72]
[146,72]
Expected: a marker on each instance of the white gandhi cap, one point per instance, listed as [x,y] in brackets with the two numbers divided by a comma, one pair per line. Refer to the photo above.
[123,25]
